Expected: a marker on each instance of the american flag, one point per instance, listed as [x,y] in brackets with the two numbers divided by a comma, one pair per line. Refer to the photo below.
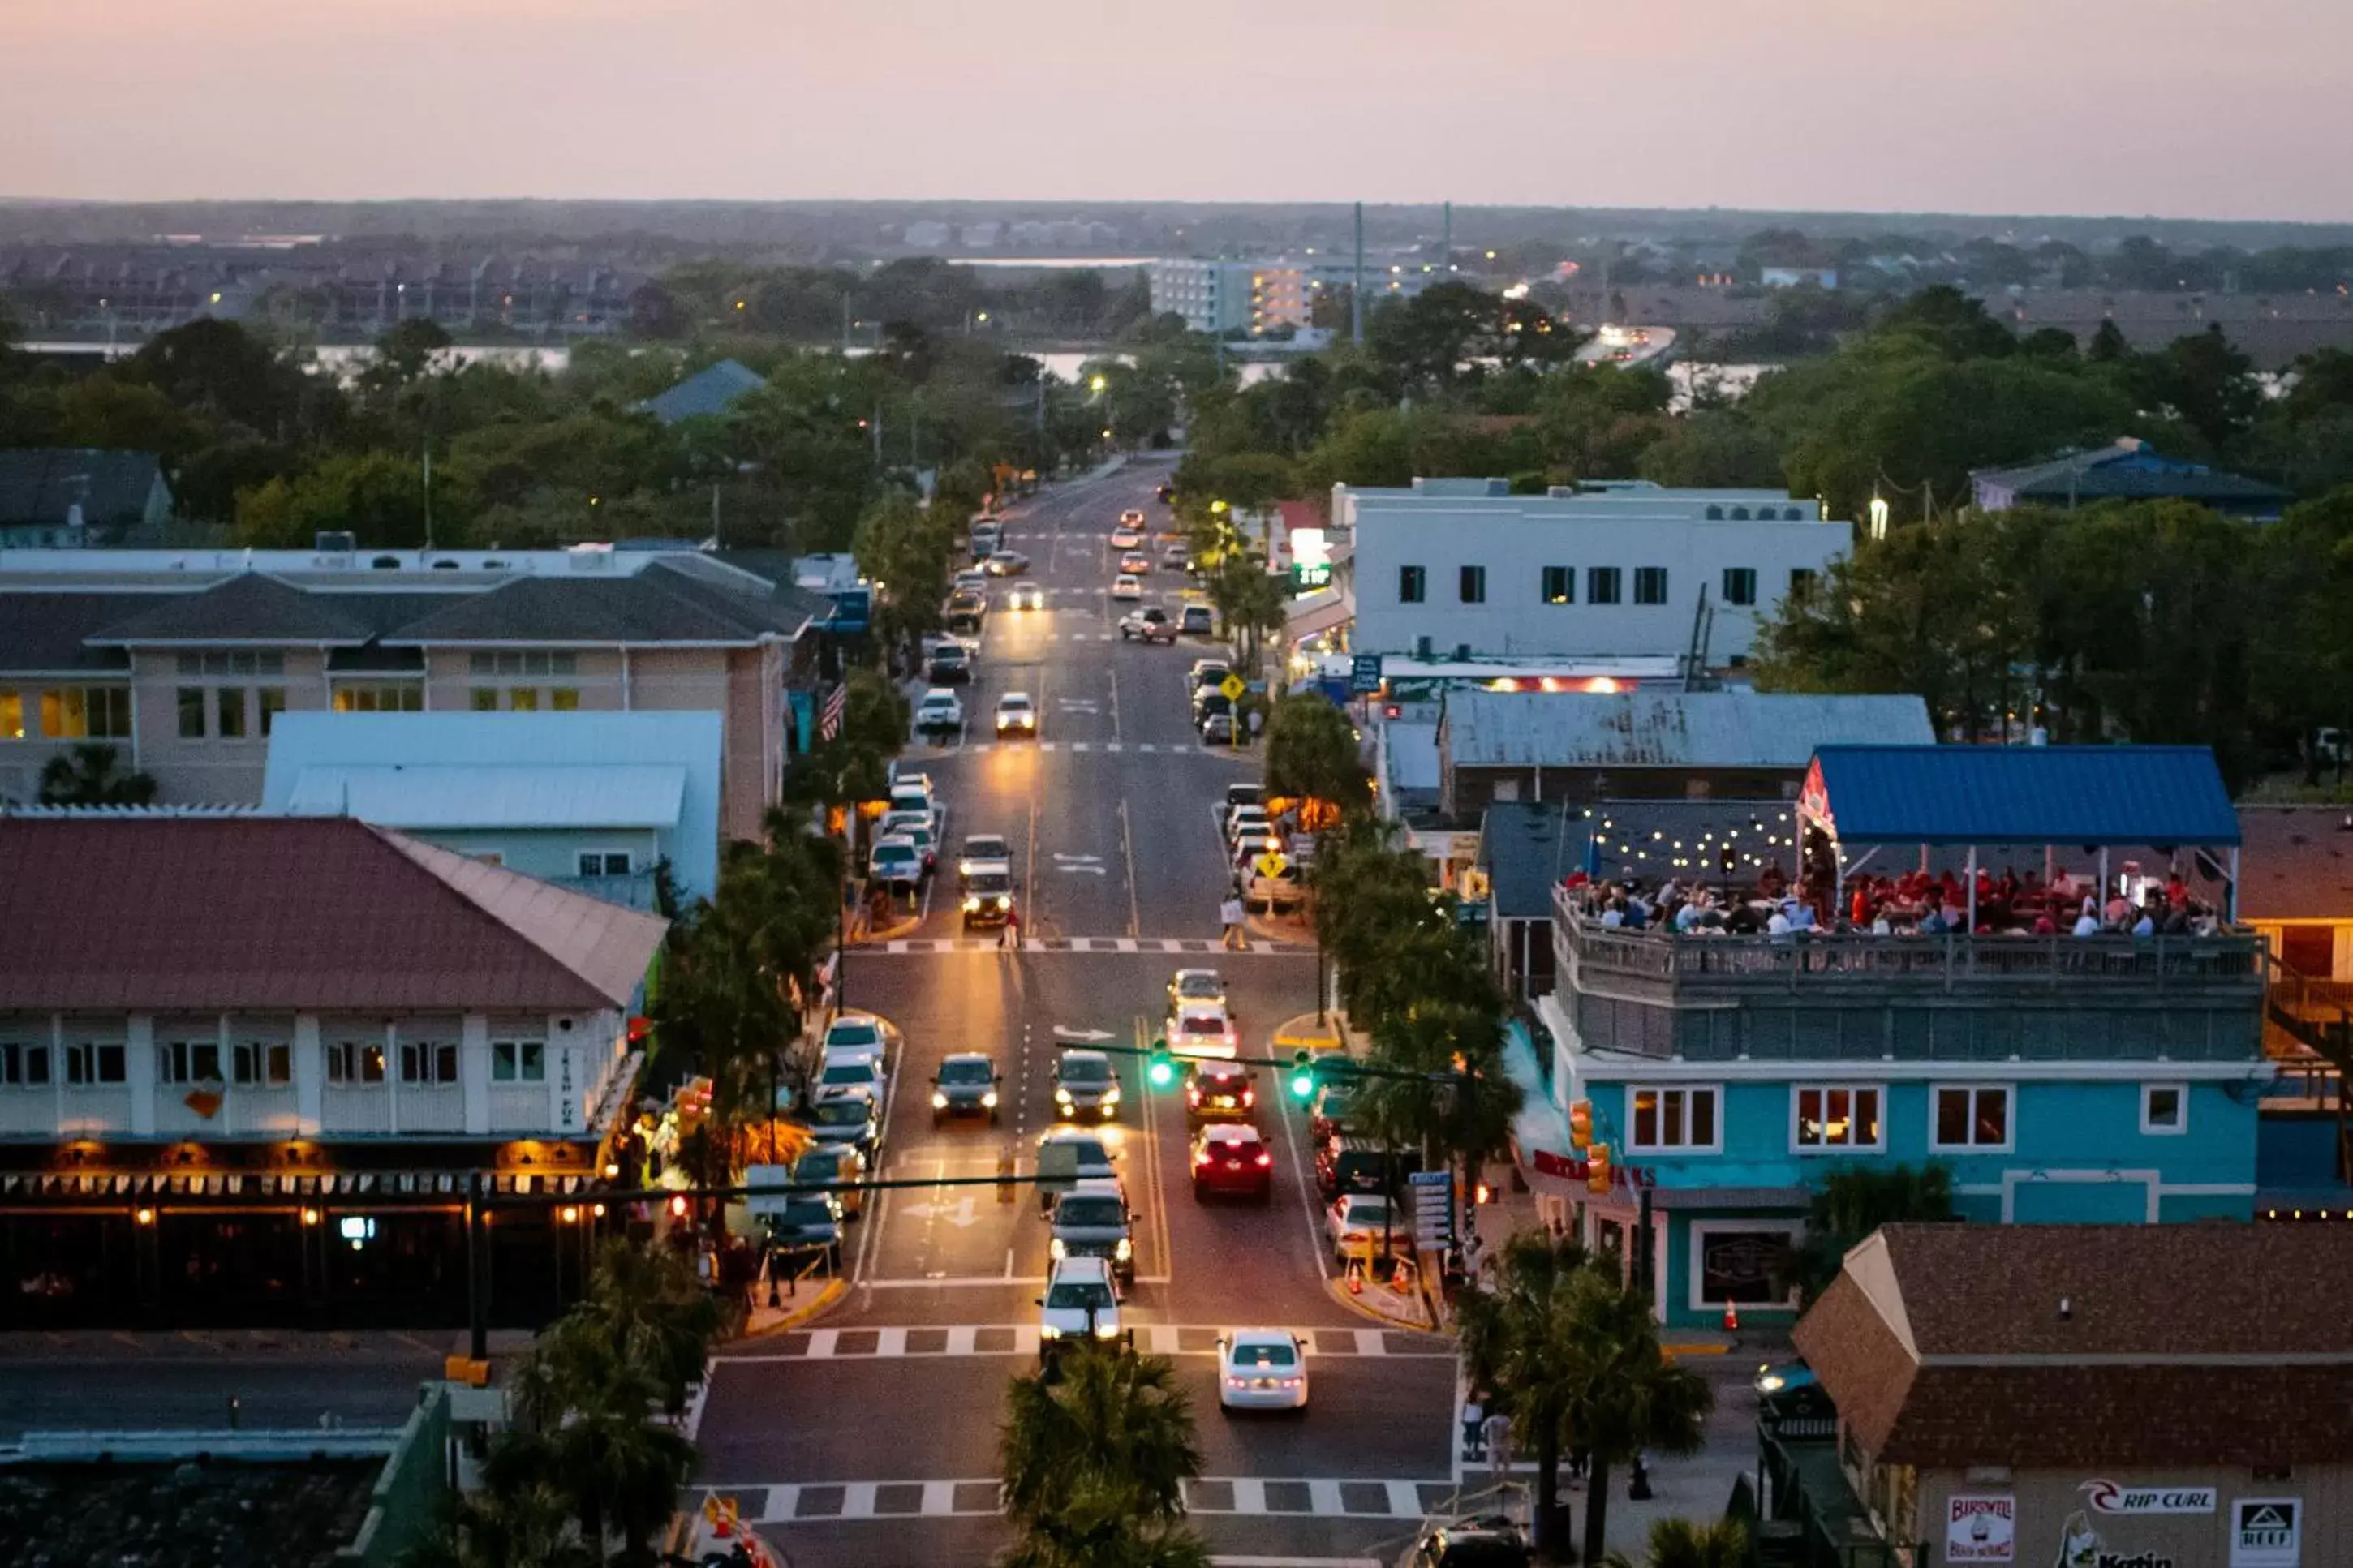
[828,723]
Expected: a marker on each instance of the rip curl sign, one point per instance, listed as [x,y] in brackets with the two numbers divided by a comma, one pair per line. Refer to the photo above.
[2107,1497]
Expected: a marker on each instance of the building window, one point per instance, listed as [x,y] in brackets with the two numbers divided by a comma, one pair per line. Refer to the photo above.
[381,697]
[1601,584]
[1801,581]
[1680,1120]
[484,700]
[1837,1117]
[355,1061]
[271,702]
[522,699]
[1410,584]
[80,713]
[12,716]
[564,699]
[232,664]
[2164,1108]
[1650,584]
[518,1061]
[187,1061]
[1971,1117]
[192,713]
[94,1061]
[1560,584]
[431,1062]
[1474,584]
[1740,584]
[1740,514]
[266,1062]
[228,713]
[604,863]
[525,662]
[23,1065]
[1715,514]
[1740,1263]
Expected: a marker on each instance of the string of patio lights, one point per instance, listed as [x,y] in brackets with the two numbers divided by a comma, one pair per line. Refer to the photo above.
[1707,852]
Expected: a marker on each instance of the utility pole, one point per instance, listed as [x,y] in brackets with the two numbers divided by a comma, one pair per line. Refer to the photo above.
[878,434]
[428,493]
[1356,289]
[1445,246]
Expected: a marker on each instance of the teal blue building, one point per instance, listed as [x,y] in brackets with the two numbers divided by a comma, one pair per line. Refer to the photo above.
[2097,1079]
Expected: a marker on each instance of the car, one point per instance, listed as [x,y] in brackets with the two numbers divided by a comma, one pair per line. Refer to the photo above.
[1174,555]
[988,896]
[1245,794]
[1217,727]
[912,792]
[1197,621]
[1778,1379]
[1362,1227]
[1216,1090]
[950,664]
[1132,518]
[806,1222]
[1205,985]
[939,713]
[834,1163]
[895,861]
[1231,1157]
[965,613]
[851,1115]
[965,1084]
[985,538]
[1207,674]
[1261,1369]
[914,826]
[1091,1220]
[1345,1165]
[1081,1304]
[1126,588]
[982,849]
[1247,821]
[850,1072]
[1085,1085]
[861,1032]
[1495,1541]
[970,580]
[1024,596]
[1150,624]
[1016,717]
[1202,1029]
[1127,536]
[1327,1114]
[1135,563]
[1067,1156]
[1005,564]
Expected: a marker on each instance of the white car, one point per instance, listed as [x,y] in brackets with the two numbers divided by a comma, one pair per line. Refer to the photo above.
[1082,1301]
[1203,1029]
[1356,1224]
[1126,537]
[1016,717]
[1261,1369]
[1026,596]
[939,711]
[853,1071]
[1202,986]
[1126,588]
[1132,518]
[974,582]
[860,1034]
[895,861]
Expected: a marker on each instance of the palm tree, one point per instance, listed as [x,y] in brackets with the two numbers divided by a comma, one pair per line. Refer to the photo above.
[1623,1396]
[93,775]
[649,1304]
[528,1526]
[1515,1336]
[584,1405]
[1686,1543]
[1096,1465]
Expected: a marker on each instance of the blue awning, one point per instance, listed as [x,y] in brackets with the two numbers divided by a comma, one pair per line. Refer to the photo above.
[2158,796]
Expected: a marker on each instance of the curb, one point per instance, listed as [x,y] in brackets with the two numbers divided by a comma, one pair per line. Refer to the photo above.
[835,1289]
[1339,1291]
[907,927]
[1303,1033]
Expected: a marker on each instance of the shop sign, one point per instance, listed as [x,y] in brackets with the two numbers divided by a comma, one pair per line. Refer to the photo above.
[1980,1527]
[2080,1546]
[2266,1532]
[2107,1497]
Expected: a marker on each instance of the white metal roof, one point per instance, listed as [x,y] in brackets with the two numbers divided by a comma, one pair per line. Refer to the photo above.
[610,795]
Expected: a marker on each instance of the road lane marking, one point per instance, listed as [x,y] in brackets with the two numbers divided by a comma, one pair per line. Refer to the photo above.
[891,1341]
[1250,1495]
[1406,1499]
[1372,1341]
[1127,858]
[961,1341]
[939,1498]
[1306,1195]
[918,946]
[822,1340]
[1323,1498]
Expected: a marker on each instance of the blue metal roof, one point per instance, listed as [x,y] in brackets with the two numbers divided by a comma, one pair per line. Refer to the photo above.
[2141,795]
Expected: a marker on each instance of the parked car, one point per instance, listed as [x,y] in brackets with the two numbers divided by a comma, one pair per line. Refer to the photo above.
[965,613]
[1197,621]
[1363,1226]
[834,1163]
[939,713]
[861,1032]
[1286,889]
[950,664]
[1231,1157]
[851,1072]
[1493,1541]
[808,1221]
[895,862]
[851,1115]
[1361,1165]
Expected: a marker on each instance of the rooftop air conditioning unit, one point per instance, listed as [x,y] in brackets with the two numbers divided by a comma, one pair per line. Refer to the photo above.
[338,544]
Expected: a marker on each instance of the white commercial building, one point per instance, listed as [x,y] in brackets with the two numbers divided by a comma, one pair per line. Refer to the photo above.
[1220,297]
[1464,569]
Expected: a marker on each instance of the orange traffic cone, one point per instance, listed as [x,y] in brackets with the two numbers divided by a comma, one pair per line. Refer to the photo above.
[1731,1318]
[1355,1277]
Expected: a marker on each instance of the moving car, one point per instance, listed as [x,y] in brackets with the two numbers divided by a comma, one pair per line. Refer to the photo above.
[1164,492]
[1132,518]
[1203,1029]
[1005,564]
[1085,1085]
[1126,588]
[1174,556]
[1197,621]
[1091,1220]
[895,862]
[1067,1156]
[834,1163]
[851,1115]
[1362,1227]
[1151,623]
[1081,1303]
[939,713]
[1217,1090]
[1197,985]
[1127,536]
[950,664]
[1778,1379]
[988,896]
[1495,1541]
[1135,563]
[982,849]
[965,1084]
[1230,1157]
[1261,1369]
[1016,717]
[1024,596]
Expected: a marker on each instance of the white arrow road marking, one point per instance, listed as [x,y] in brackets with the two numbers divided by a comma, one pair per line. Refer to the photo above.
[1091,871]
[958,1213]
[1064,1032]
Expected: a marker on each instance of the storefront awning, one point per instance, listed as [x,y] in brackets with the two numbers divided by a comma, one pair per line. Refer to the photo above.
[1315,614]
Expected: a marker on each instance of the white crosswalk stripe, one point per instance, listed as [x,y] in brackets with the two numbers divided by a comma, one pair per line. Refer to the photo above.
[930,1340]
[772,1504]
[1033,945]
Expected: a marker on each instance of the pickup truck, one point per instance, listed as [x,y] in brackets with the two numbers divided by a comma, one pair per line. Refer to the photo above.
[1150,624]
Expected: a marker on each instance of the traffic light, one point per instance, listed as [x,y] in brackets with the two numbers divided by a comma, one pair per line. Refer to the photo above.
[1159,1066]
[1580,1123]
[1597,1168]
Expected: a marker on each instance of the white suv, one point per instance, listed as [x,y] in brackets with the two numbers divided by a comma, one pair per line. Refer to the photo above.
[1081,1300]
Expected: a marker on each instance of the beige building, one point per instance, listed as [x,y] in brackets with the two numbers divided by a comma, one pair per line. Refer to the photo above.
[182,661]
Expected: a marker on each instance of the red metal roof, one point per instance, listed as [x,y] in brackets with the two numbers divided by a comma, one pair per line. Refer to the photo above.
[172,914]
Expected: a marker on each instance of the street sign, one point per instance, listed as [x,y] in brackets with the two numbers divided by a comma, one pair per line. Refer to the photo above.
[1232,687]
[1365,675]
[766,1176]
[1433,1209]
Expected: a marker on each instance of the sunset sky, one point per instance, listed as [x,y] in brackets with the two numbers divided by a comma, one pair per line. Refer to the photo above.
[2175,108]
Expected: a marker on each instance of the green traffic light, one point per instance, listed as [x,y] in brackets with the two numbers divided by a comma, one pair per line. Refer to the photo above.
[1303,1075]
[1161,1069]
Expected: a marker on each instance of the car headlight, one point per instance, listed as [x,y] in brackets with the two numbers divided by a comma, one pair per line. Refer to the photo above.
[1111,1095]
[939,1100]
[988,1101]
[1124,1250]
[1048,1332]
[1771,1383]
[1107,1330]
[1054,1248]
[971,906]
[1063,1096]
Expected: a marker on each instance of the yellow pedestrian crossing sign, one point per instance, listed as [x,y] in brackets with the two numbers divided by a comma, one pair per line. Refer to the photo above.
[1273,863]
[1232,687]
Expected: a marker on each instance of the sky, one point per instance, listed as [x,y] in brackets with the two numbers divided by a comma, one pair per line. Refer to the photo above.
[2163,108]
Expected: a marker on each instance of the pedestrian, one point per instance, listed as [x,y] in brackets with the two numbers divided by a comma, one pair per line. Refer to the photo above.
[1474,1426]
[1230,914]
[1497,1430]
[1576,1465]
[1010,934]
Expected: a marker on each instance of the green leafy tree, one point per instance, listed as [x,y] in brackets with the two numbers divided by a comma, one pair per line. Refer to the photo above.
[1852,1203]
[379,496]
[93,775]
[1689,1543]
[1623,1397]
[905,551]
[1095,1458]
[1518,1334]
[1312,754]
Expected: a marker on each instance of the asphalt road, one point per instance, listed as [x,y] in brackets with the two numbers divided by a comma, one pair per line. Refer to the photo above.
[872,1435]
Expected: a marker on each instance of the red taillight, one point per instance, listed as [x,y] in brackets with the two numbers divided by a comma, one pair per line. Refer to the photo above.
[1264,1158]
[1192,1094]
[1202,1158]
[1250,1097]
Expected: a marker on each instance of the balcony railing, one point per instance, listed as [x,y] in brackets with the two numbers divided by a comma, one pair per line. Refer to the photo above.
[634,891]
[1654,963]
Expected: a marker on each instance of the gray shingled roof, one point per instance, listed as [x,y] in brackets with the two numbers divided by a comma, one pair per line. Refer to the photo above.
[706,391]
[38,483]
[49,633]
[249,607]
[655,606]
[1649,729]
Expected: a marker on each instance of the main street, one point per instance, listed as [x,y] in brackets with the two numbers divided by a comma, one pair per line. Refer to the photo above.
[871,1435]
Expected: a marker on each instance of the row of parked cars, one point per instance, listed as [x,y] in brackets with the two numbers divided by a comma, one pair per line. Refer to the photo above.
[841,1110]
